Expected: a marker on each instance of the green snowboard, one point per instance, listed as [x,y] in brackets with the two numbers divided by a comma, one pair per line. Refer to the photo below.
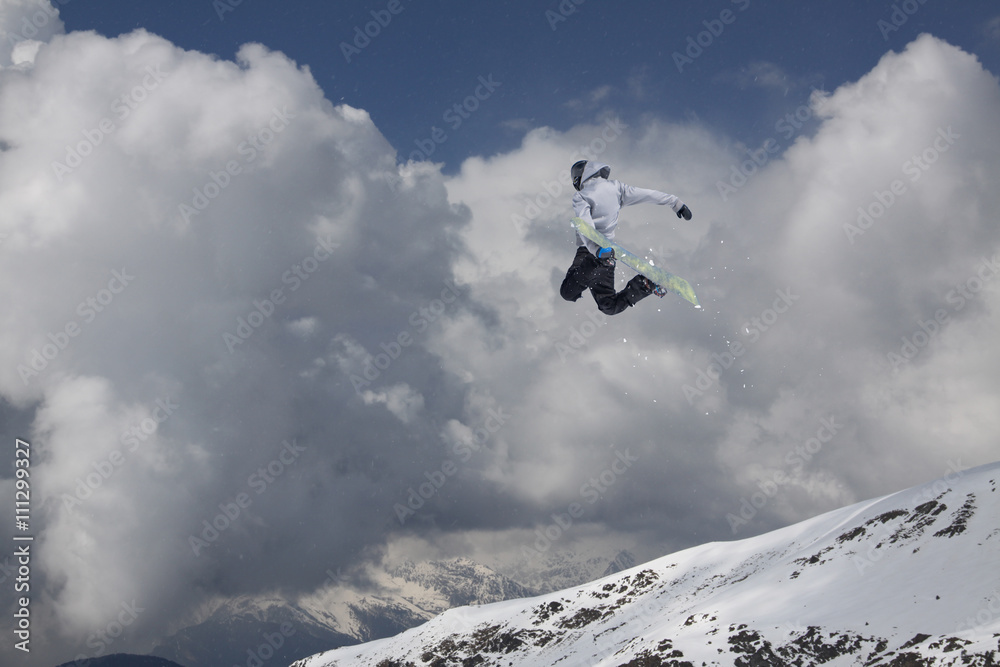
[660,277]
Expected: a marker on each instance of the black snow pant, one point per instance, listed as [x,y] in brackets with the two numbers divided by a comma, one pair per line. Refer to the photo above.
[589,272]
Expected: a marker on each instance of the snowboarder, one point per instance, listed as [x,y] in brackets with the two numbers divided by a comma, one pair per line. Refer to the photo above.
[597,201]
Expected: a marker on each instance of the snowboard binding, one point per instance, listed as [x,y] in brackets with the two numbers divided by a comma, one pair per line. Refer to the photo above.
[606,256]
[653,288]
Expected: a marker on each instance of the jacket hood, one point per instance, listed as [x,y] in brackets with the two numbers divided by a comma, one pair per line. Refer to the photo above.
[590,169]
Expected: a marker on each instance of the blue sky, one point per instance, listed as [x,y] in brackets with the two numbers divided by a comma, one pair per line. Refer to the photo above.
[396,320]
[550,61]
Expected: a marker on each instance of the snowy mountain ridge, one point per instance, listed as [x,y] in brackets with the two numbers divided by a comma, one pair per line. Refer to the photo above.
[557,570]
[905,580]
[338,614]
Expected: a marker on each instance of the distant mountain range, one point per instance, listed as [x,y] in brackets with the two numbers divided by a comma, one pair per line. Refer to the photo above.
[908,580]
[564,569]
[277,631]
[122,660]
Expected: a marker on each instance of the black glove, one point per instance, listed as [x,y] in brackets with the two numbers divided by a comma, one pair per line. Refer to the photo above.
[685,212]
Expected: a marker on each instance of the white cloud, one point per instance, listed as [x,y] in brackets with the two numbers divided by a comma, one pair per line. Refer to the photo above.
[305,327]
[24,53]
[116,297]
[308,258]
[24,23]
[401,400]
[921,118]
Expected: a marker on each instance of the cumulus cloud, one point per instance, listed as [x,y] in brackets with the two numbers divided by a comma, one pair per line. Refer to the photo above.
[185,235]
[239,335]
[401,400]
[24,26]
[822,272]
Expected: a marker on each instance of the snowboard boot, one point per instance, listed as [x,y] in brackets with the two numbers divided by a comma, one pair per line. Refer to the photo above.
[639,288]
[652,287]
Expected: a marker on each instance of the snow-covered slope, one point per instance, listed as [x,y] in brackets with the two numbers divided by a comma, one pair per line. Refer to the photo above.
[336,615]
[909,579]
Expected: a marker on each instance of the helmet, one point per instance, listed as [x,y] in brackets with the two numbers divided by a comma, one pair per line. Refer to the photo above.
[583,171]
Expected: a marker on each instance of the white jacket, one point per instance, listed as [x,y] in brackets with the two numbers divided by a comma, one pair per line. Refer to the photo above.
[599,200]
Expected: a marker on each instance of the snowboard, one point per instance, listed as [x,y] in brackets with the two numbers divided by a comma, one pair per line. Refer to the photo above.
[664,279]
